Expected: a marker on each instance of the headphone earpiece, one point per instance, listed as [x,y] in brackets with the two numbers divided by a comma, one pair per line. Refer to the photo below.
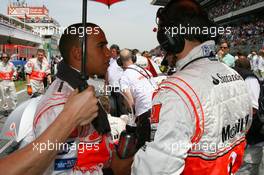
[119,62]
[134,58]
[173,43]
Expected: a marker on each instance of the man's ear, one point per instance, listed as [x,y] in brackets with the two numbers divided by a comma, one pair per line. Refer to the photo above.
[76,53]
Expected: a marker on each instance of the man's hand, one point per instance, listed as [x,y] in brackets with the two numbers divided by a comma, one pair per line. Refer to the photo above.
[14,78]
[83,106]
[29,89]
[121,166]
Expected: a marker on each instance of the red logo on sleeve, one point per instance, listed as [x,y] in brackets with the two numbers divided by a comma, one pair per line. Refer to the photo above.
[155,113]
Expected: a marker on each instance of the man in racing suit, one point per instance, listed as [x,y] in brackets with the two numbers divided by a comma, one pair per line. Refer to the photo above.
[200,114]
[7,87]
[94,150]
[198,124]
[37,69]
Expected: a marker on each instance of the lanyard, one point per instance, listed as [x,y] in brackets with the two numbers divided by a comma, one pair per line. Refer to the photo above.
[148,76]
[199,59]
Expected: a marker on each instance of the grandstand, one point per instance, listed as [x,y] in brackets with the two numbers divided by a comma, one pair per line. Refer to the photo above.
[244,16]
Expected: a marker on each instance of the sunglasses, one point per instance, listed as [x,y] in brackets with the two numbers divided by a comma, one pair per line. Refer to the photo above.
[4,57]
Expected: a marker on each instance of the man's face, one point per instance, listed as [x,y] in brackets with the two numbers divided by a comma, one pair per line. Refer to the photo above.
[114,53]
[40,56]
[5,58]
[98,54]
[224,48]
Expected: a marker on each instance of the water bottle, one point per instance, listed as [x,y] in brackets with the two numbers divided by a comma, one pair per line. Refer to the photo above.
[127,145]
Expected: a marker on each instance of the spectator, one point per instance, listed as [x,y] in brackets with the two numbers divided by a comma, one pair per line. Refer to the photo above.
[220,55]
[113,75]
[254,61]
[261,63]
[228,59]
[253,153]
[114,72]
[140,59]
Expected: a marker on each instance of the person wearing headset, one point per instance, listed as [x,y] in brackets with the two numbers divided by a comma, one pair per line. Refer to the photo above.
[138,86]
[200,114]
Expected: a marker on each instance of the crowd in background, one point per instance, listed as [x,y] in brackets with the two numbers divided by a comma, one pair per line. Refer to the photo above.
[223,7]
[249,34]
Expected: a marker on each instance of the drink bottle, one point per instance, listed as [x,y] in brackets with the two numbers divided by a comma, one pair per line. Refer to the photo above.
[127,145]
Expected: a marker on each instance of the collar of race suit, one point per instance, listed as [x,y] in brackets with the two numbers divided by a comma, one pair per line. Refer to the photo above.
[69,75]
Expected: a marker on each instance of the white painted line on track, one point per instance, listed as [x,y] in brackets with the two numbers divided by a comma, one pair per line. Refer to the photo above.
[20,92]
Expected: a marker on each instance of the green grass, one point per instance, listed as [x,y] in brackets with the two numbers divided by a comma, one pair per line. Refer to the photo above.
[20,85]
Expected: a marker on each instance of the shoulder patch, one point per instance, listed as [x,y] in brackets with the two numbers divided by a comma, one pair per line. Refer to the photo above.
[155,113]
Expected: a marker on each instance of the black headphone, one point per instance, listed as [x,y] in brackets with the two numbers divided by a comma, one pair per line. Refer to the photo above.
[174,41]
[174,44]
[120,63]
[134,58]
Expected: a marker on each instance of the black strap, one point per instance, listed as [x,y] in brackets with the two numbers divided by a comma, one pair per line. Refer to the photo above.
[60,87]
[144,71]
[195,60]
[211,55]
[147,77]
[69,75]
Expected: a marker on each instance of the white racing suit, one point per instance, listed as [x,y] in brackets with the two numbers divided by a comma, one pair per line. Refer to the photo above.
[8,97]
[94,150]
[37,71]
[199,119]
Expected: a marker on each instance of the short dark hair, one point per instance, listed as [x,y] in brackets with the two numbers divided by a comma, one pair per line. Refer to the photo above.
[116,47]
[242,62]
[187,13]
[225,42]
[135,51]
[41,50]
[70,39]
[4,53]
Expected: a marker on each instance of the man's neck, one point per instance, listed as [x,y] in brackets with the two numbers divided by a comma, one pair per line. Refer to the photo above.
[128,64]
[189,46]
